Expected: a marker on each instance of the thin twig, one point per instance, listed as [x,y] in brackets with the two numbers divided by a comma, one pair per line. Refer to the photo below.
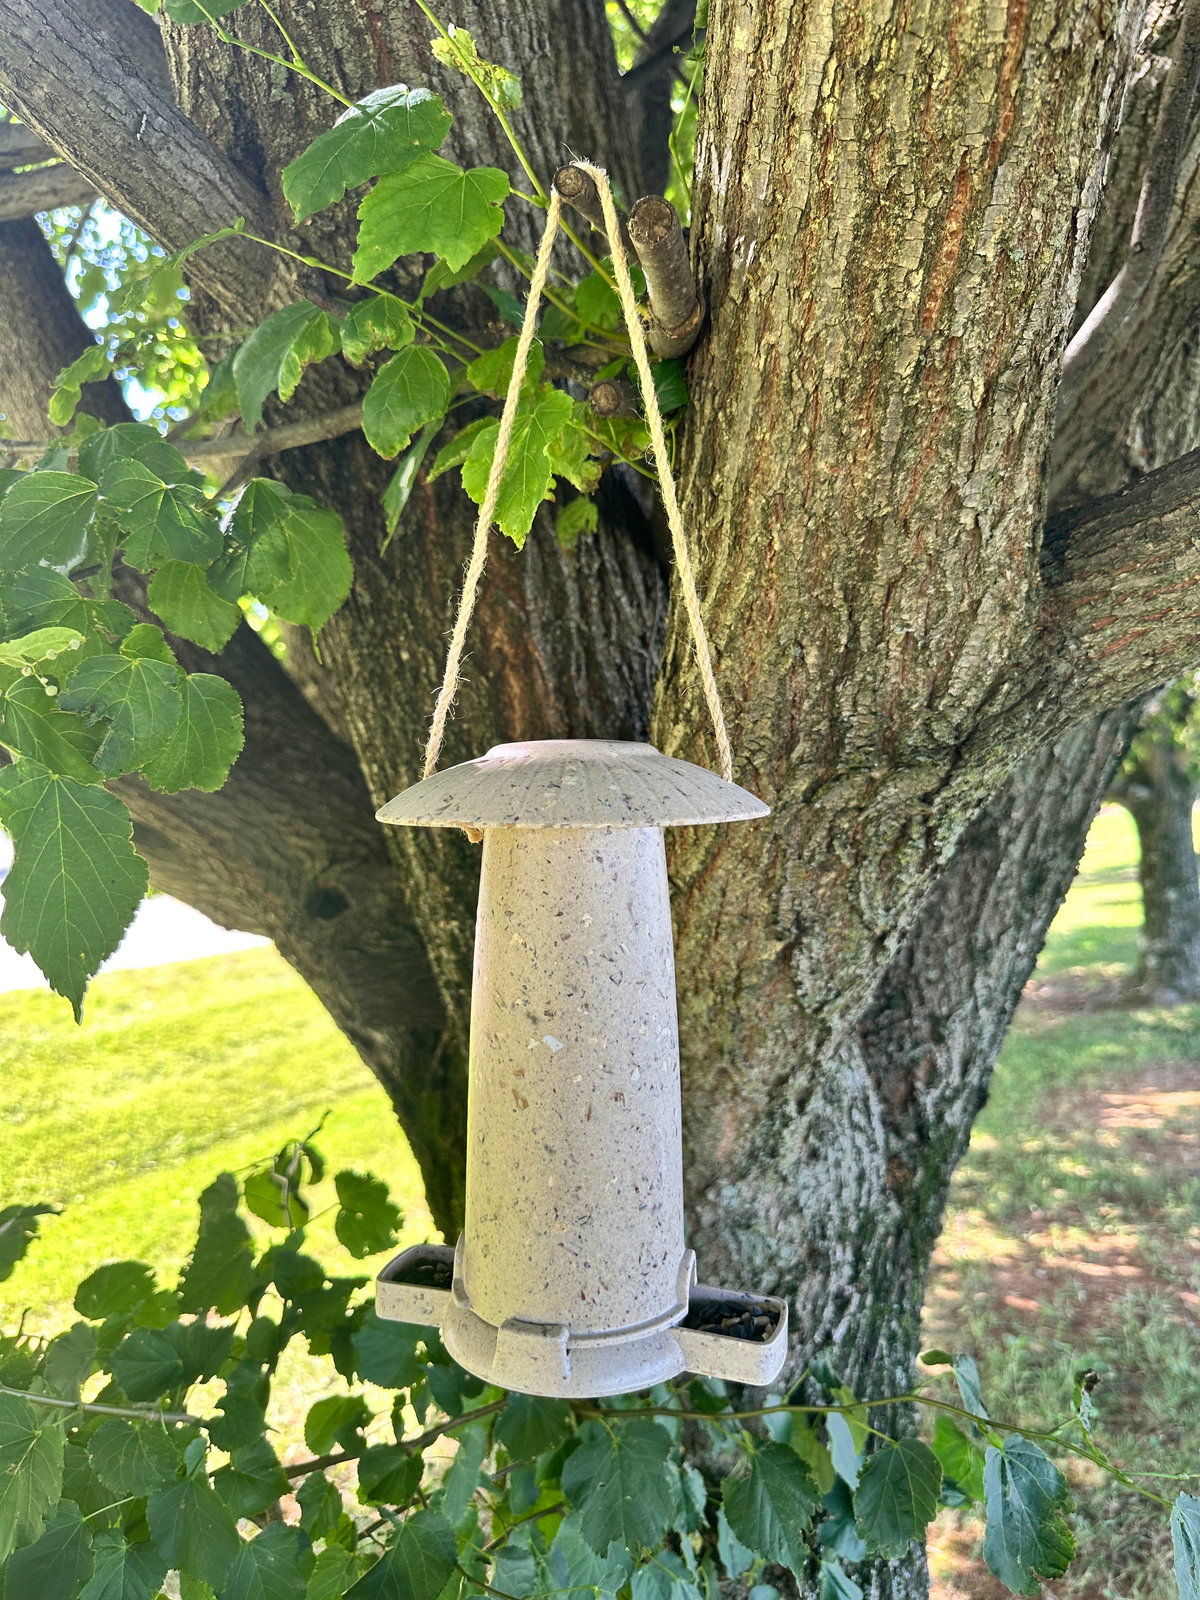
[1148,239]
[318,1463]
[631,19]
[139,1415]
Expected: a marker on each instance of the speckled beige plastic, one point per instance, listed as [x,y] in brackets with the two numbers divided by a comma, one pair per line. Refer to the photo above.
[572,1273]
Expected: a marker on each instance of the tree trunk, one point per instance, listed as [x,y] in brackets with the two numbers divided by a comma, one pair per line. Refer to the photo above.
[1159,793]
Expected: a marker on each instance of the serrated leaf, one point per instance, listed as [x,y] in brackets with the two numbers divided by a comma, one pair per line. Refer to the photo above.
[670,385]
[205,741]
[42,598]
[459,448]
[319,569]
[275,1565]
[812,1452]
[123,1571]
[966,1375]
[386,1352]
[531,1424]
[193,1530]
[380,322]
[159,521]
[457,49]
[418,1564]
[139,698]
[18,1228]
[271,1196]
[147,1364]
[736,1557]
[181,595]
[897,1496]
[620,1488]
[320,1503]
[44,520]
[335,1571]
[76,881]
[134,1458]
[220,1275]
[31,1471]
[396,495]
[257,557]
[69,1359]
[960,1458]
[133,441]
[383,132]
[836,1584]
[252,1481]
[1185,1540]
[527,472]
[33,725]
[432,205]
[58,1565]
[597,303]
[367,1219]
[388,1475]
[492,372]
[115,1289]
[276,353]
[585,1569]
[193,11]
[1027,1537]
[92,366]
[663,1577]
[464,1475]
[571,456]
[337,1419]
[411,390]
[770,1502]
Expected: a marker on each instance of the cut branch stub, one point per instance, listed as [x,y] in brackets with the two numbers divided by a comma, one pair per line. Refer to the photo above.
[678,311]
[615,397]
[579,192]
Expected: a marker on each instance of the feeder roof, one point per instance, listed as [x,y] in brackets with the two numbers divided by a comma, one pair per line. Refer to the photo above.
[572,783]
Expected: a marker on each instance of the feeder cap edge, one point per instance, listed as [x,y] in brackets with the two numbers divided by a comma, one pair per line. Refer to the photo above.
[572,783]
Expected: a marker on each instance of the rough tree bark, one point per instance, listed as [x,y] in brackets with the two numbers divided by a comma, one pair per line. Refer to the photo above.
[890,226]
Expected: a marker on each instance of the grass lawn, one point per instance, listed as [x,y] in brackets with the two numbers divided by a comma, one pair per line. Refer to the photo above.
[178,1072]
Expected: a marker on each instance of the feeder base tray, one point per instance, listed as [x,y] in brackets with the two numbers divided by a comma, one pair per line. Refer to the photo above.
[722,1333]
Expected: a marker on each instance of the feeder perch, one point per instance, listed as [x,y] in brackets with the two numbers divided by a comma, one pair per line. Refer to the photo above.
[571,1276]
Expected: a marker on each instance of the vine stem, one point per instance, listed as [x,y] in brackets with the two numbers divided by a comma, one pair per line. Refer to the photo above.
[138,1414]
[319,1463]
[298,64]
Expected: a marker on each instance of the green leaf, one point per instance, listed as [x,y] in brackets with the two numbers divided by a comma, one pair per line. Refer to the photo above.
[670,385]
[960,1458]
[411,390]
[115,1289]
[584,1568]
[459,448]
[1185,1538]
[276,353]
[966,1373]
[181,595]
[18,1228]
[335,1420]
[571,455]
[199,10]
[464,1475]
[42,598]
[206,740]
[383,132]
[440,276]
[45,644]
[92,366]
[398,491]
[432,205]
[133,441]
[1027,1536]
[530,1425]
[252,1481]
[257,557]
[123,1571]
[418,1564]
[492,372]
[140,699]
[31,1470]
[664,1577]
[159,521]
[319,570]
[527,472]
[388,1474]
[58,1565]
[380,322]
[32,725]
[457,49]
[134,1458]
[736,1557]
[274,1566]
[193,1530]
[386,1352]
[770,1502]
[273,1197]
[320,1503]
[367,1220]
[812,1452]
[333,1574]
[69,1359]
[220,1275]
[76,881]
[147,1364]
[620,1488]
[935,1358]
[597,303]
[44,520]
[897,1496]
[835,1584]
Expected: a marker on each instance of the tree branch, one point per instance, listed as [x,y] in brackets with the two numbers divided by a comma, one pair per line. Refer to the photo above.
[647,86]
[1122,578]
[21,147]
[1120,299]
[24,194]
[70,70]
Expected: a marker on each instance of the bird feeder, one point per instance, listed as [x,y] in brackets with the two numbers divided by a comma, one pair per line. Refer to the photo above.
[571,1276]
